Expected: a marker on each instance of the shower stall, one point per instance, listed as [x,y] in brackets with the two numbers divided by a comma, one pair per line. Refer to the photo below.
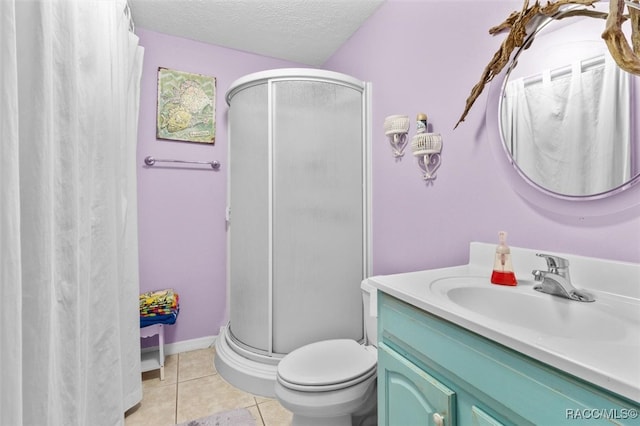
[298,218]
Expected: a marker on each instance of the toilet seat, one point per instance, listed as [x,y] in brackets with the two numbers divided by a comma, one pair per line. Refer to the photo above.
[327,365]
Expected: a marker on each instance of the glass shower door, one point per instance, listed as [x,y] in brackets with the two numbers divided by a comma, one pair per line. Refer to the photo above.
[249,245]
[318,217]
[297,213]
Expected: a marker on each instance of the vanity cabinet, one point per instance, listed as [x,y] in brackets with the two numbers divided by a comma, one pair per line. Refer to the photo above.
[433,372]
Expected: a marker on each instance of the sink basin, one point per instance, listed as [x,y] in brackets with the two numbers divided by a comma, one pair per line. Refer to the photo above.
[547,315]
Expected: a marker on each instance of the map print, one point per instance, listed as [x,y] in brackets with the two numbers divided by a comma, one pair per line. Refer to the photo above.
[186,106]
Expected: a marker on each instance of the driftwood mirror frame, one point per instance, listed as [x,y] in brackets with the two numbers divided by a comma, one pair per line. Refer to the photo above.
[626,55]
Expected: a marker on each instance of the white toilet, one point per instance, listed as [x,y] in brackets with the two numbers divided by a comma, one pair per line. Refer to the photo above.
[333,382]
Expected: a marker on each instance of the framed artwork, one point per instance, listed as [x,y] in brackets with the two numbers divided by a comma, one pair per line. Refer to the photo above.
[186,107]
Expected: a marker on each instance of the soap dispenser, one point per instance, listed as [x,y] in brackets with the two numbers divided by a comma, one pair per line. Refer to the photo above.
[502,267]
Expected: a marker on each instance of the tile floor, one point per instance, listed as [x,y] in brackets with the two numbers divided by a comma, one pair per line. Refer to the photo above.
[192,389]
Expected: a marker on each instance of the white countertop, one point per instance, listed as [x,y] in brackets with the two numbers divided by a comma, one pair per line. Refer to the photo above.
[609,358]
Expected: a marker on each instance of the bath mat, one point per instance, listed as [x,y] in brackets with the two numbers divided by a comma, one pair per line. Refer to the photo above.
[239,417]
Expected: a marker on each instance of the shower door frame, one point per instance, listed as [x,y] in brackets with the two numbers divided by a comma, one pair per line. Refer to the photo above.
[270,78]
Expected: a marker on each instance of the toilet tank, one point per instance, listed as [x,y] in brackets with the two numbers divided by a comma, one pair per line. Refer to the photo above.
[370,311]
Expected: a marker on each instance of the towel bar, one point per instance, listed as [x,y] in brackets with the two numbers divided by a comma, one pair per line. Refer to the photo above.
[150,161]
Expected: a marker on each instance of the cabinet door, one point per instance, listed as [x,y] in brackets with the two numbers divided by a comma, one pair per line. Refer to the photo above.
[408,396]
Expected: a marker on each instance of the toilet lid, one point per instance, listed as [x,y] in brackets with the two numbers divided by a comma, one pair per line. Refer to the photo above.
[327,363]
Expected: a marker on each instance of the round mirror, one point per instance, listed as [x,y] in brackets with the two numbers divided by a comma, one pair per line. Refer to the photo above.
[568,113]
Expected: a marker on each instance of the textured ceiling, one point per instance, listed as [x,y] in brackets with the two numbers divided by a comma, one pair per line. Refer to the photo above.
[304,31]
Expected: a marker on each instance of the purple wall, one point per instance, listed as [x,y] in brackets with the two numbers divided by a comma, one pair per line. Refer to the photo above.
[182,234]
[425,56]
[421,56]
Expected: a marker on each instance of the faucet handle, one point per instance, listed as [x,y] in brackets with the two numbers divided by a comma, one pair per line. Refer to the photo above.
[554,263]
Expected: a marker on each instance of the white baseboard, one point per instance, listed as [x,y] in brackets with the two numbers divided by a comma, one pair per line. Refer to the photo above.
[185,345]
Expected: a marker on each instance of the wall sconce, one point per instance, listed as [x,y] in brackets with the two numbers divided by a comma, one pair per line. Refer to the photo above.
[426,147]
[397,127]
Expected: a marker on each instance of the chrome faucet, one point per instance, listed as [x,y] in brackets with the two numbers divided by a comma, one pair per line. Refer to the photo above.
[556,280]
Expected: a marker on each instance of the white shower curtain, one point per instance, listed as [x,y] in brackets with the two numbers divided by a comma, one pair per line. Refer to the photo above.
[571,134]
[69,327]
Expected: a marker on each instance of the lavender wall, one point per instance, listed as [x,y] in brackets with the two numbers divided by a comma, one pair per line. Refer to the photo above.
[425,56]
[182,233]
[422,56]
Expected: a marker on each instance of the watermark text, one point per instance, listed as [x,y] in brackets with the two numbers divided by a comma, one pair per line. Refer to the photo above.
[601,413]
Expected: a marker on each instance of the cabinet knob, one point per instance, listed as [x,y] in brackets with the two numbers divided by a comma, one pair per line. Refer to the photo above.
[438,420]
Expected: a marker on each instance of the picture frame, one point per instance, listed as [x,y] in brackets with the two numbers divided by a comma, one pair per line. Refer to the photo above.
[186,108]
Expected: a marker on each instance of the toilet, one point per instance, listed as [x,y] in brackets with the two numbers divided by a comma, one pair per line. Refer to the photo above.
[333,382]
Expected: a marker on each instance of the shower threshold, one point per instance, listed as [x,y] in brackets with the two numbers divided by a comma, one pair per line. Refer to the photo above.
[249,371]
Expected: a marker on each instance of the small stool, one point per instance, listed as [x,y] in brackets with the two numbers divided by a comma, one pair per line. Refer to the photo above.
[153,360]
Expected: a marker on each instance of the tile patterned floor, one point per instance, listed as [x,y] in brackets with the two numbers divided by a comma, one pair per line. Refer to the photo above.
[191,389]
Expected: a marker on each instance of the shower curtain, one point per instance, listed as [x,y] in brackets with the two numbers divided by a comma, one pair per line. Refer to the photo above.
[571,134]
[69,330]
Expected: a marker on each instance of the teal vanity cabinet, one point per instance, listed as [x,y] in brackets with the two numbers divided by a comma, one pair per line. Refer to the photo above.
[433,372]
